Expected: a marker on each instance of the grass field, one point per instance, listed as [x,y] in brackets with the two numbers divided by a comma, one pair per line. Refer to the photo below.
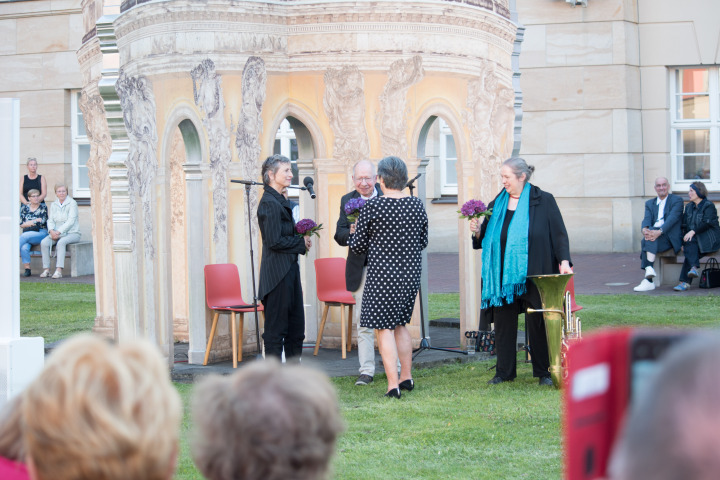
[452,425]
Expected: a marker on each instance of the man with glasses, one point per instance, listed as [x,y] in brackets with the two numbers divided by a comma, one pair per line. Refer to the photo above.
[364,177]
[661,230]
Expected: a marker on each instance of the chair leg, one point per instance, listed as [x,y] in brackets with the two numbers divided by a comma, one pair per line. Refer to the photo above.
[343,331]
[349,329]
[320,330]
[234,340]
[212,335]
[241,330]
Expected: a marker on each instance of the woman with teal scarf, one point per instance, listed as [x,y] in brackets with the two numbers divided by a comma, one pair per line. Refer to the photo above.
[524,236]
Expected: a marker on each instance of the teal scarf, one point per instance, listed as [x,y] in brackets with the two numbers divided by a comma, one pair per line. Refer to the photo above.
[497,291]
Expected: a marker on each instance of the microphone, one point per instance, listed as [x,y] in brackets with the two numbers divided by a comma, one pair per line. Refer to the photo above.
[410,183]
[309,182]
[246,182]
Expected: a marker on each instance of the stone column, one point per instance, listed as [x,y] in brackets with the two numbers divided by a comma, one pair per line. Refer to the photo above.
[197,248]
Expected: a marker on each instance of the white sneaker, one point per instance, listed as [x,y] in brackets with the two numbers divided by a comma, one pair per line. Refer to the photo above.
[649,272]
[645,286]
[57,274]
[45,274]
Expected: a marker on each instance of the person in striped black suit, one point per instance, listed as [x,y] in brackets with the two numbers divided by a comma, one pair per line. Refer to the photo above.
[280,290]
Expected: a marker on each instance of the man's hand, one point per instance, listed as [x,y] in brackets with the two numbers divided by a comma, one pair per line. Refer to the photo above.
[352,228]
[651,235]
[308,243]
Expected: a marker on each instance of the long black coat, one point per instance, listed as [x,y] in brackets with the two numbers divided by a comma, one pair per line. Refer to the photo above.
[703,220]
[548,243]
[281,244]
[355,262]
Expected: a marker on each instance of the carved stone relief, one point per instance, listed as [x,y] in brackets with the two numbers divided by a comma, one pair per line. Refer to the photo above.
[138,106]
[177,184]
[392,120]
[344,103]
[250,125]
[207,92]
[98,134]
[490,118]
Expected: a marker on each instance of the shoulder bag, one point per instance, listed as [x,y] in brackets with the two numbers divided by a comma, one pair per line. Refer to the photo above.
[710,276]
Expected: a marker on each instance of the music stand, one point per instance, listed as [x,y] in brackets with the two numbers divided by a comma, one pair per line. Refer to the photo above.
[425,340]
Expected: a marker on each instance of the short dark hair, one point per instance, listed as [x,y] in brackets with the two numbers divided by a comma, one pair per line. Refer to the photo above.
[518,167]
[701,189]
[393,171]
[272,163]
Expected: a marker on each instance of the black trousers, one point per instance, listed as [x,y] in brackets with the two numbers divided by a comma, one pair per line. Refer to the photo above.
[506,330]
[658,246]
[285,317]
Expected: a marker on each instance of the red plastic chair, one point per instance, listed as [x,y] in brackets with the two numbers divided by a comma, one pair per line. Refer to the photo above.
[330,281]
[571,288]
[222,292]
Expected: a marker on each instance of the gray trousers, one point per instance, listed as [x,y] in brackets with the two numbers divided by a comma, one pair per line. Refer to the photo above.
[46,246]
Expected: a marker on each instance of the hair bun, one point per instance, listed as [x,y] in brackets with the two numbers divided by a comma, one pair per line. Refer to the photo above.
[531,168]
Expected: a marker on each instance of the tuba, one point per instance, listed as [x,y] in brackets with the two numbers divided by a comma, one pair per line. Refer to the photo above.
[561,325]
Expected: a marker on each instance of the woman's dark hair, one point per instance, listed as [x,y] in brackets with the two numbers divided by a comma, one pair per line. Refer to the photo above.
[518,167]
[272,163]
[393,172]
[700,189]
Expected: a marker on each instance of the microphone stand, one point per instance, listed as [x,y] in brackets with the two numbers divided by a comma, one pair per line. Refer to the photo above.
[248,184]
[425,341]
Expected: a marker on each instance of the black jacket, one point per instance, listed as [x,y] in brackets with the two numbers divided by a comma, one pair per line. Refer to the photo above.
[703,219]
[281,244]
[548,243]
[355,262]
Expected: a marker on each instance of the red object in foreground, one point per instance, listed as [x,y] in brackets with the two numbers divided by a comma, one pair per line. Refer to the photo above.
[10,470]
[595,399]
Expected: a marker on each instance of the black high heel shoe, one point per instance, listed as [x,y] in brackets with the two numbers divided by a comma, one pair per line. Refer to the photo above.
[407,385]
[394,393]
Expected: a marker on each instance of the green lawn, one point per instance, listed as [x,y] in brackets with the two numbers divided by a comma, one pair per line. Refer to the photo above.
[452,424]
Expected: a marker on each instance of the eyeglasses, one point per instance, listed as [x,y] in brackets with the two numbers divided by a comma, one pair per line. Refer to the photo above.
[365,179]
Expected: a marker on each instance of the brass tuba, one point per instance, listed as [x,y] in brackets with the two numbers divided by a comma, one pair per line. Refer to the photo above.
[560,323]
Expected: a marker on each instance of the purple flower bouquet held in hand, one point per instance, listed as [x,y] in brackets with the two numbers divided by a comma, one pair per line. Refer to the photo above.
[474,209]
[352,208]
[307,227]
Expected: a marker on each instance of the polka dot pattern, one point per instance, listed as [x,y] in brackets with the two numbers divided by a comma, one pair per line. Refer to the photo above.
[393,232]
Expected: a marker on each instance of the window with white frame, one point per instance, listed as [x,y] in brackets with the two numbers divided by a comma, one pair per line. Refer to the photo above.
[286,145]
[695,127]
[448,160]
[80,149]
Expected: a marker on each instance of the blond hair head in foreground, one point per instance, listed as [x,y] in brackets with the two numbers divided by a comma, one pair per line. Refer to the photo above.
[266,421]
[99,411]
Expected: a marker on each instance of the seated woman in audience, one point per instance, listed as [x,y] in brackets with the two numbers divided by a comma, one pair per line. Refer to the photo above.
[63,229]
[99,411]
[262,422]
[12,452]
[33,221]
[701,233]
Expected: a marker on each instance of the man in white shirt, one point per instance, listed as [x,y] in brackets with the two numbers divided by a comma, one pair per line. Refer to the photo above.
[661,229]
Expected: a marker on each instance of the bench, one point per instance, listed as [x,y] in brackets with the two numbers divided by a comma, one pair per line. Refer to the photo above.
[667,269]
[79,260]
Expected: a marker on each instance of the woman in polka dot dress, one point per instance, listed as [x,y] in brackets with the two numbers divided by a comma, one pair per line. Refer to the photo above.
[393,230]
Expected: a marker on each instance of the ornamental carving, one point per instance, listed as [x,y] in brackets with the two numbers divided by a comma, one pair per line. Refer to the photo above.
[490,117]
[207,92]
[250,125]
[98,134]
[177,185]
[344,103]
[138,106]
[392,120]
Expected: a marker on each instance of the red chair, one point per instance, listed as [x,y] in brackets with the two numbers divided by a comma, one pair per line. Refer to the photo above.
[571,288]
[330,281]
[222,293]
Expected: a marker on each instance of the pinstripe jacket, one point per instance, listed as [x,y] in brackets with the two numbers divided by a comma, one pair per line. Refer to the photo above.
[281,245]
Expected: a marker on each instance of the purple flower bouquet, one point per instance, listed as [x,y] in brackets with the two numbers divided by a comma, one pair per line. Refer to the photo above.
[307,227]
[474,209]
[352,208]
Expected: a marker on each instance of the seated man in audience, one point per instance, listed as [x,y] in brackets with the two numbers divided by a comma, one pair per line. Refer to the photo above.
[673,429]
[102,412]
[661,230]
[266,421]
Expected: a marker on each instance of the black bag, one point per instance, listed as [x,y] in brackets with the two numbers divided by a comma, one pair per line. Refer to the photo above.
[32,228]
[710,276]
